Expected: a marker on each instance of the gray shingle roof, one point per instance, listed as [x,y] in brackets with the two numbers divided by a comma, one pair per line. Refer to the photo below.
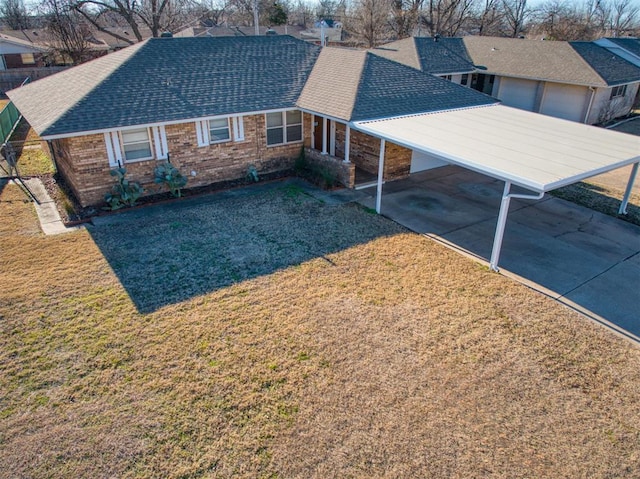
[630,44]
[612,68]
[389,89]
[357,85]
[535,59]
[447,55]
[169,79]
[332,87]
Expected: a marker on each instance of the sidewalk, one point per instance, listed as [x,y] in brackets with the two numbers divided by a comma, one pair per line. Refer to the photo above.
[50,220]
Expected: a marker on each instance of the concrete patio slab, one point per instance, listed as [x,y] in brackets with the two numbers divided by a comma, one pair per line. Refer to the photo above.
[583,258]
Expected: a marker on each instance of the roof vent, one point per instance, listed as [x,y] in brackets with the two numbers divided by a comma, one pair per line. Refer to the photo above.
[436,37]
[166,35]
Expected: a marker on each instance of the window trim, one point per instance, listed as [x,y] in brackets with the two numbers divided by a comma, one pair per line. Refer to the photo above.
[284,127]
[215,142]
[124,152]
[618,91]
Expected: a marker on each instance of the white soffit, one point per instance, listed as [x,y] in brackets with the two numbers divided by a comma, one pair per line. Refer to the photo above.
[532,150]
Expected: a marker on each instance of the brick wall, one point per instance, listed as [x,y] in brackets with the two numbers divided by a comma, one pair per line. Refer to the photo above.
[83,160]
[365,153]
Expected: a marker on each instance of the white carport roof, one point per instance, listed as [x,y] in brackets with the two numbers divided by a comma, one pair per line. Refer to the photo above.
[537,152]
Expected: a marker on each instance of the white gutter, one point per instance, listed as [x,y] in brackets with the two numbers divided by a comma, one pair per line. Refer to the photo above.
[162,123]
[502,221]
[593,94]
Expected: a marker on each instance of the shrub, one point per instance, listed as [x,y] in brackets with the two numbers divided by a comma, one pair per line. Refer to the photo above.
[169,175]
[124,192]
[252,174]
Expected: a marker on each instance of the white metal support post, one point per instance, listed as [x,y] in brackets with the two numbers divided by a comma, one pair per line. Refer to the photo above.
[627,192]
[324,135]
[502,221]
[347,136]
[380,175]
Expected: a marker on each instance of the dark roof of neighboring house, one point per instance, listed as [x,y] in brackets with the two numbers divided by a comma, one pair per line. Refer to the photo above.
[358,85]
[630,44]
[611,68]
[437,56]
[169,79]
[446,55]
[237,31]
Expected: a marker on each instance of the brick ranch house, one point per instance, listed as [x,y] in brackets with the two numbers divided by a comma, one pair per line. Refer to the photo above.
[220,105]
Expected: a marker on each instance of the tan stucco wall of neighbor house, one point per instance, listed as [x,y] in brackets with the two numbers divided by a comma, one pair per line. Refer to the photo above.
[84,163]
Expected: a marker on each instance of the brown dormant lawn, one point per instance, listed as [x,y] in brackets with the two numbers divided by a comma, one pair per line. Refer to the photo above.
[273,335]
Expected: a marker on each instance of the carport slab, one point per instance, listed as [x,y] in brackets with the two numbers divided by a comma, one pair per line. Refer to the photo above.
[606,293]
[553,245]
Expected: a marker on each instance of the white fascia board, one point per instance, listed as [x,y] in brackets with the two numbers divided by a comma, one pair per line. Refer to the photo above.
[465,163]
[328,117]
[354,124]
[466,72]
[163,123]
[574,179]
[548,80]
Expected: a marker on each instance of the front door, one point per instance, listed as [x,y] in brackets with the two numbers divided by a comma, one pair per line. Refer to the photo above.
[318,132]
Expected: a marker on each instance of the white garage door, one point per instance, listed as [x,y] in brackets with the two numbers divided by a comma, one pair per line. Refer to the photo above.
[518,93]
[565,101]
[423,161]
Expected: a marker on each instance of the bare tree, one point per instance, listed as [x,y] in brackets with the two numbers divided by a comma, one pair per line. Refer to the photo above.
[157,15]
[301,14]
[446,17]
[14,14]
[326,9]
[67,31]
[369,22]
[404,16]
[623,16]
[515,15]
[488,17]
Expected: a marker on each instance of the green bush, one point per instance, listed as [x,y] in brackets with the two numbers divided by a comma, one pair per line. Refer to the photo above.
[124,192]
[169,175]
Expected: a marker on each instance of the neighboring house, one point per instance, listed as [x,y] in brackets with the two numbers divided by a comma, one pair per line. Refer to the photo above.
[17,53]
[217,106]
[578,81]
[98,43]
[627,48]
[444,57]
[226,30]
[332,35]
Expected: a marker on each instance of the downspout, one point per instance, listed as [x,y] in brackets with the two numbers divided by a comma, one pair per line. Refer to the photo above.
[593,94]
[502,221]
[53,155]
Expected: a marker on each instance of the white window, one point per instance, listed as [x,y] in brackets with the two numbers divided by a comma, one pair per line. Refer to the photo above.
[219,130]
[618,91]
[284,127]
[465,79]
[27,58]
[136,145]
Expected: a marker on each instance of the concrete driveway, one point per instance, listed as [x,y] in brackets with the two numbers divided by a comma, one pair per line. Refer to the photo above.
[583,258]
